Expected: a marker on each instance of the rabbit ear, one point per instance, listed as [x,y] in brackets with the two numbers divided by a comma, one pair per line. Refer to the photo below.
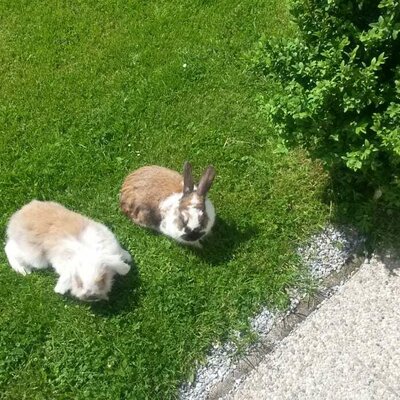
[206,181]
[188,184]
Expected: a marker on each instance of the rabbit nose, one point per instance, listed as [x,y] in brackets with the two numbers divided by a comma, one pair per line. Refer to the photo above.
[192,236]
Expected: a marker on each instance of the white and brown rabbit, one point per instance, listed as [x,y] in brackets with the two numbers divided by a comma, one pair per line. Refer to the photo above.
[84,253]
[164,200]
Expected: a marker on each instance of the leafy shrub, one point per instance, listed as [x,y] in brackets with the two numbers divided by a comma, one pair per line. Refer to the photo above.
[340,83]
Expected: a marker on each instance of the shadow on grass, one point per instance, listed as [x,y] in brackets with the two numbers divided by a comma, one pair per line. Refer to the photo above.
[124,295]
[353,204]
[220,246]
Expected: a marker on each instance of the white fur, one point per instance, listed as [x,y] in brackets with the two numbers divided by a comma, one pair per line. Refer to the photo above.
[170,209]
[210,210]
[81,262]
[193,215]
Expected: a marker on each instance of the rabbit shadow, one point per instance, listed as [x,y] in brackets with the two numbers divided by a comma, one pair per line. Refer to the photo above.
[219,247]
[124,295]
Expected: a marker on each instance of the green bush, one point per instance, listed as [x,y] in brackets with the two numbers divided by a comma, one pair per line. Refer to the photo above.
[340,96]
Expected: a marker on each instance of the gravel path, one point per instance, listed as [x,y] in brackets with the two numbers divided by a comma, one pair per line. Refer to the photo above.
[347,349]
[326,252]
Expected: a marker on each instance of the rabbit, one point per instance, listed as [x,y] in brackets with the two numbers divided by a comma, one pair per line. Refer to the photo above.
[84,253]
[164,200]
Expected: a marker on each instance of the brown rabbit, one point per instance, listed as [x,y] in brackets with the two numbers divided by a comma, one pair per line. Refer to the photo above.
[164,200]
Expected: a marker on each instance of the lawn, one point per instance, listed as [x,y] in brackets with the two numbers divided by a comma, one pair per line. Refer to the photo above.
[91,90]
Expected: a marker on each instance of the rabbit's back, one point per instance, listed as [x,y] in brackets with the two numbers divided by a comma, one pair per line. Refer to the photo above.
[144,189]
[45,223]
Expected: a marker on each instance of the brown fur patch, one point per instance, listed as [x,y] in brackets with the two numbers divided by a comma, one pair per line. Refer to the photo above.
[47,222]
[192,200]
[101,280]
[144,189]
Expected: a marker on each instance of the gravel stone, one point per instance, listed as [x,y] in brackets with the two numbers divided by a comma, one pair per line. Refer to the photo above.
[329,250]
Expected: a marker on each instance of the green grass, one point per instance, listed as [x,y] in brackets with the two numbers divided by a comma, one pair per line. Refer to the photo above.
[91,90]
